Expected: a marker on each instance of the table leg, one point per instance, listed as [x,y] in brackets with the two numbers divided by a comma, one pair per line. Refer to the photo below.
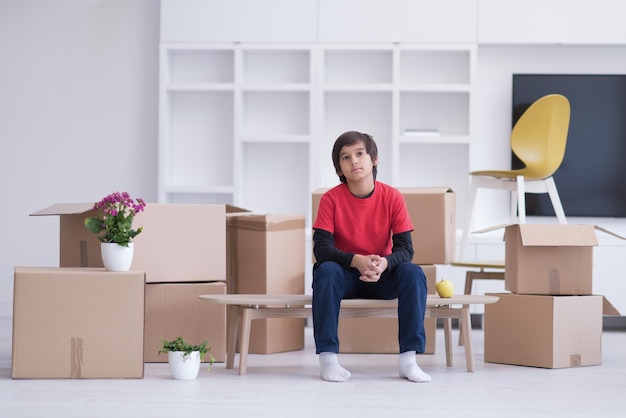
[232,327]
[466,328]
[447,329]
[245,339]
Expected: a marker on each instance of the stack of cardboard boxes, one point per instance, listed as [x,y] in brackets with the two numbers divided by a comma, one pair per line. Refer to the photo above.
[432,210]
[551,319]
[180,254]
[265,255]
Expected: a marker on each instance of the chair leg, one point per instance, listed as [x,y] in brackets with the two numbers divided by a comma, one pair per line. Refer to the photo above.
[521,200]
[513,208]
[556,200]
[469,212]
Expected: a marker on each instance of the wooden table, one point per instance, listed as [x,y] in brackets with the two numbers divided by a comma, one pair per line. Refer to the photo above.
[243,308]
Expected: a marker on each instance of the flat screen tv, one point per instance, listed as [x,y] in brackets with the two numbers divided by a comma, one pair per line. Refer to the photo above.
[592,178]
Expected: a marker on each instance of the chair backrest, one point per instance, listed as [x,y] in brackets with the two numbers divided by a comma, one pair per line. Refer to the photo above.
[539,136]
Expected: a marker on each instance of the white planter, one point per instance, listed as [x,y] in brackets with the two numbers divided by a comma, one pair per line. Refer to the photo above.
[184,367]
[116,257]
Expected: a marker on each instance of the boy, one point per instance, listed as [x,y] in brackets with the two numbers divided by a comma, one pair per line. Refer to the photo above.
[363,248]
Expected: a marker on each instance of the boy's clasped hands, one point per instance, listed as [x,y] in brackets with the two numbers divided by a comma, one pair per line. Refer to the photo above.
[371,266]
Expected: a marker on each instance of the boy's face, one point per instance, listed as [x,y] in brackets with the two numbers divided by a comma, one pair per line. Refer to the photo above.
[356,164]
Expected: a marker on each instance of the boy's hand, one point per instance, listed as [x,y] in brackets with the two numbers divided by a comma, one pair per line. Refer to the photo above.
[370,266]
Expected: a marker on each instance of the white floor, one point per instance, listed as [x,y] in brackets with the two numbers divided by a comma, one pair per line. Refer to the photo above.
[288,385]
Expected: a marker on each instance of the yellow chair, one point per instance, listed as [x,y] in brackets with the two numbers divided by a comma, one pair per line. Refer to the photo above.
[538,139]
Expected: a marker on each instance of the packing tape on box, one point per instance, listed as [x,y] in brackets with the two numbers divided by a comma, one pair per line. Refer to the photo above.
[76,362]
[554,281]
[84,259]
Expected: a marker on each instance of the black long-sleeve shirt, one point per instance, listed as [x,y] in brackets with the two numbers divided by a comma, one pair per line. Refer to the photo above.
[324,249]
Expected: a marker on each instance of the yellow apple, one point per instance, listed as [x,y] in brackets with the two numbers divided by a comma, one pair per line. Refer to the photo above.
[444,288]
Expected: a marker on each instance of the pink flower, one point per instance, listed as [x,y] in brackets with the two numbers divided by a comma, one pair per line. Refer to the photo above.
[116,212]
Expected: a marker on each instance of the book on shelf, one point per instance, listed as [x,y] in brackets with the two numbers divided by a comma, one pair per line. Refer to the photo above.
[422,132]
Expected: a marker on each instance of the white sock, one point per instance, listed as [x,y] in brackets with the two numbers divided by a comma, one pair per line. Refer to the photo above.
[330,370]
[409,368]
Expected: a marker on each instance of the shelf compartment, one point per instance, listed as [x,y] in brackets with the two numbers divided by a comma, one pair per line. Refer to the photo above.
[434,165]
[446,113]
[368,112]
[358,66]
[276,178]
[435,67]
[199,138]
[276,66]
[275,113]
[196,66]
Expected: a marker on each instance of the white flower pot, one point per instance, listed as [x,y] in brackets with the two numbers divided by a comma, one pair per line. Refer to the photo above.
[116,257]
[184,367]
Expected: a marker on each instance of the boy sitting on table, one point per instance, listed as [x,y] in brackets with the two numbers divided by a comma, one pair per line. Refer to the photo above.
[363,248]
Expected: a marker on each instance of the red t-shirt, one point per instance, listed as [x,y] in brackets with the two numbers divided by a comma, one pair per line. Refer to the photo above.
[363,225]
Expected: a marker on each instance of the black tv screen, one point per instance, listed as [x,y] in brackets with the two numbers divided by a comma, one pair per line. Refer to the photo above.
[592,179]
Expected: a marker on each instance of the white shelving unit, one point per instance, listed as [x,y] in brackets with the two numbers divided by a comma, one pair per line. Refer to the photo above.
[414,99]
[253,124]
[236,125]
[434,122]
[197,96]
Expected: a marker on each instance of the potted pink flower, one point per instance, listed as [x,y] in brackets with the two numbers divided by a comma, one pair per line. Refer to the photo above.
[114,227]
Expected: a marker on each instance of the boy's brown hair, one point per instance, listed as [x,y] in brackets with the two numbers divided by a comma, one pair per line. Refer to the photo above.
[351,138]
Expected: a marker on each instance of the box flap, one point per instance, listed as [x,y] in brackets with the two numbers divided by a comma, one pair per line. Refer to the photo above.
[526,226]
[491,228]
[558,235]
[606,231]
[608,308]
[235,209]
[64,209]
[267,222]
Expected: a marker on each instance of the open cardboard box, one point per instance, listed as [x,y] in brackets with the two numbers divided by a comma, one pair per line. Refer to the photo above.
[549,259]
[179,242]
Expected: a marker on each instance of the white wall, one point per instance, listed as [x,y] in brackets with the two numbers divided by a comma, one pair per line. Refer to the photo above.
[78,115]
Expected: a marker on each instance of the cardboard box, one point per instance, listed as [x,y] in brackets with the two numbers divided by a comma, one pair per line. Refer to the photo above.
[549,259]
[380,335]
[544,331]
[179,243]
[266,254]
[433,212]
[77,323]
[174,310]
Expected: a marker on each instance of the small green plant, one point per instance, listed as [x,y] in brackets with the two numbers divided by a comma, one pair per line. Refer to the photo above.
[180,345]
